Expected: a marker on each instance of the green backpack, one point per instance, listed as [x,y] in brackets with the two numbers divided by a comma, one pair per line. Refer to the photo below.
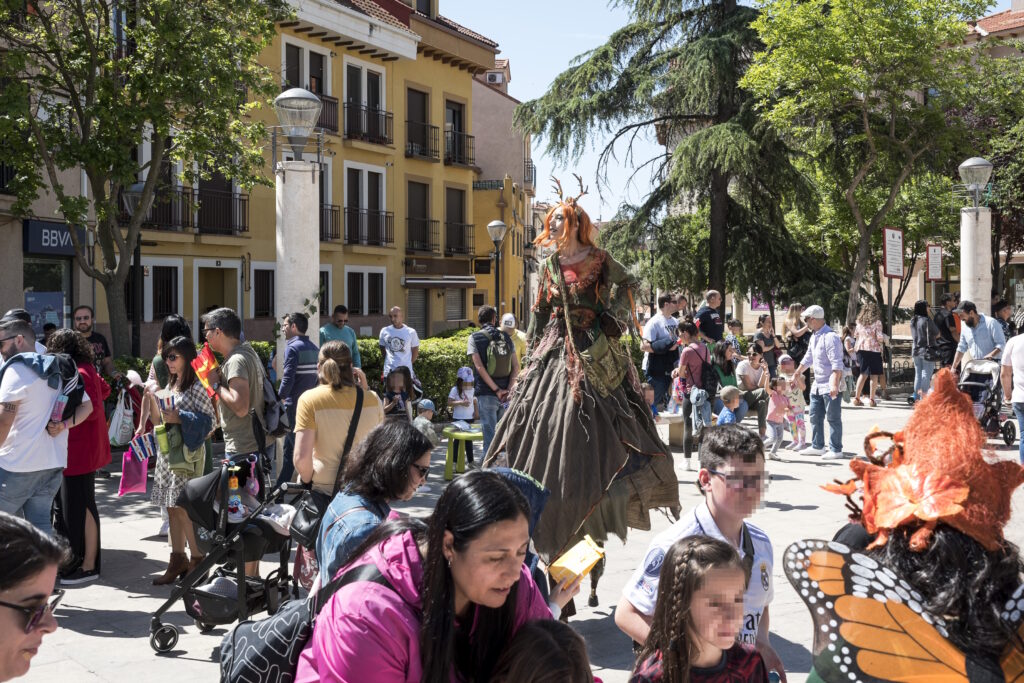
[499,356]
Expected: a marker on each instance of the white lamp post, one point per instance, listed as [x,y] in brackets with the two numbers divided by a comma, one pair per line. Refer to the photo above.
[298,112]
[976,235]
[497,230]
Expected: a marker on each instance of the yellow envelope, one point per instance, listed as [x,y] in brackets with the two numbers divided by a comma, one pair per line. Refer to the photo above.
[578,561]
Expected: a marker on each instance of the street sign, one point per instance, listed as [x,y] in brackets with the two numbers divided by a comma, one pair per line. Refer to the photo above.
[892,252]
[934,263]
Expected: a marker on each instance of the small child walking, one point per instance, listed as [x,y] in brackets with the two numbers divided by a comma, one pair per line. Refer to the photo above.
[795,393]
[697,617]
[779,409]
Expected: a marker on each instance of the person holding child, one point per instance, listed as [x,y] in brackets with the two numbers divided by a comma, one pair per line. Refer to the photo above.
[732,480]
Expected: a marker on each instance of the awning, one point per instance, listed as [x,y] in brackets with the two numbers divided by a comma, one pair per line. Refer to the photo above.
[443,282]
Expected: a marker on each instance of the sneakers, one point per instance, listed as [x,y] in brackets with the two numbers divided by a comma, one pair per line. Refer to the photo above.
[811,450]
[164,528]
[833,455]
[773,455]
[79,576]
[799,447]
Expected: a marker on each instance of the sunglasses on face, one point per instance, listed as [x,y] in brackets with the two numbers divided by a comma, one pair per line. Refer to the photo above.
[173,356]
[341,321]
[36,614]
[7,339]
[422,470]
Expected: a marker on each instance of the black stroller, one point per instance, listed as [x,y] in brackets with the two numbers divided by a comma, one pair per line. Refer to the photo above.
[227,595]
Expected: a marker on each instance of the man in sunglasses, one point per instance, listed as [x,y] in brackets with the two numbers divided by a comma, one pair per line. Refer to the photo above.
[338,330]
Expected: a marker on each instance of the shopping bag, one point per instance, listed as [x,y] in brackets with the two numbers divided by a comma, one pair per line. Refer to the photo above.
[122,421]
[133,473]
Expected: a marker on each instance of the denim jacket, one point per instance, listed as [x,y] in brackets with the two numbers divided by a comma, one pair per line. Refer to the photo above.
[343,528]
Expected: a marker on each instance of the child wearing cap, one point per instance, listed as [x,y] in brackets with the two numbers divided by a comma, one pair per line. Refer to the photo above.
[423,421]
[462,403]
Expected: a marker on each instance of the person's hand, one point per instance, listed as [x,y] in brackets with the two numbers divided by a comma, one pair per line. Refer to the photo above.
[833,391]
[772,661]
[675,373]
[171,416]
[55,428]
[502,394]
[360,379]
[565,591]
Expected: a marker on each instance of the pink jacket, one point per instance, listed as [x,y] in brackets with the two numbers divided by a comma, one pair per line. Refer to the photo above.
[369,632]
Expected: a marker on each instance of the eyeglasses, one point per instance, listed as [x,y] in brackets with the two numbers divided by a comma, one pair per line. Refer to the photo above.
[207,331]
[9,338]
[422,470]
[36,614]
[173,356]
[747,481]
[82,318]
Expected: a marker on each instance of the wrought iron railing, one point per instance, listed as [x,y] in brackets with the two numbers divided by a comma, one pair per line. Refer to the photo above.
[423,235]
[330,222]
[222,213]
[529,173]
[328,113]
[369,124]
[459,148]
[374,228]
[421,140]
[458,238]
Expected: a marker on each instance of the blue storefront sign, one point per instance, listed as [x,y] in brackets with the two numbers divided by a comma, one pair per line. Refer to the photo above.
[49,238]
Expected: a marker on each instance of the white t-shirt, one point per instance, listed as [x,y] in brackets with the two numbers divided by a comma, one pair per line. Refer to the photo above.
[659,327]
[398,345]
[745,369]
[29,448]
[642,588]
[462,412]
[1013,355]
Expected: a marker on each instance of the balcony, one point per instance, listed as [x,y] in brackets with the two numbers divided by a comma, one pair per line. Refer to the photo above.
[459,148]
[173,210]
[6,176]
[421,141]
[222,213]
[529,173]
[330,222]
[373,228]
[458,239]
[328,114]
[369,124]
[423,235]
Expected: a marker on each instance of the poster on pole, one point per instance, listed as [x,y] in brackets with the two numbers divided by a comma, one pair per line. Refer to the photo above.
[892,252]
[934,263]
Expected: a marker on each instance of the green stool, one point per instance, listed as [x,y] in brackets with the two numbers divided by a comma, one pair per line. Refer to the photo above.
[457,446]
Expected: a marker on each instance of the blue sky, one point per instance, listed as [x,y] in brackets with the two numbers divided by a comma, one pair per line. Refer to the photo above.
[540,37]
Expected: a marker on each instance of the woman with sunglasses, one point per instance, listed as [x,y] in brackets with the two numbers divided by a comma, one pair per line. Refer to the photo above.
[389,465]
[193,418]
[29,560]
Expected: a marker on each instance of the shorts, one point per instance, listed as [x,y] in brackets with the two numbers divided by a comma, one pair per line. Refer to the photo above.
[870,362]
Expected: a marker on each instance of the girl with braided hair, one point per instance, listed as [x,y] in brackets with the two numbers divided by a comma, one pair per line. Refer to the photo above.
[697,618]
[577,421]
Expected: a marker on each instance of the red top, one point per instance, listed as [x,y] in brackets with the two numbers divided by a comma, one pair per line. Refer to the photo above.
[88,443]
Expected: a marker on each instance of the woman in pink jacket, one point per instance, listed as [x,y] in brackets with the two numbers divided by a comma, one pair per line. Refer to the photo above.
[457,592]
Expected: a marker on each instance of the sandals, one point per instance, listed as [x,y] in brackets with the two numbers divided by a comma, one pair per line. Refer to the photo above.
[874,403]
[857,402]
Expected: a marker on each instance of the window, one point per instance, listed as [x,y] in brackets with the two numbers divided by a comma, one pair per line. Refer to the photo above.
[375,294]
[292,66]
[165,291]
[423,7]
[305,67]
[364,290]
[454,304]
[479,298]
[354,291]
[263,294]
[325,292]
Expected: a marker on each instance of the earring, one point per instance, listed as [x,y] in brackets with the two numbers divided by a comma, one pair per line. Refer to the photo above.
[449,563]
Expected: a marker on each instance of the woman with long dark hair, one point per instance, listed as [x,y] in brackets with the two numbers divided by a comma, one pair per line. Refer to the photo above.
[924,334]
[173,326]
[88,451]
[723,360]
[188,424]
[389,465]
[29,560]
[453,595]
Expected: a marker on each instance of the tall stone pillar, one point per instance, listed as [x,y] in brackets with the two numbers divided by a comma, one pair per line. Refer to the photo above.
[976,257]
[297,276]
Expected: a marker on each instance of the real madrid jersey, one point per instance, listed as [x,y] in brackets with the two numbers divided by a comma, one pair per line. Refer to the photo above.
[642,588]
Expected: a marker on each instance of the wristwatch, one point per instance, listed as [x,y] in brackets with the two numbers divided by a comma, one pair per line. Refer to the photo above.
[215,386]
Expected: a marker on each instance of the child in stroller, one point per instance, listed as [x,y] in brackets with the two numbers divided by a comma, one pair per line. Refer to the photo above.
[979,379]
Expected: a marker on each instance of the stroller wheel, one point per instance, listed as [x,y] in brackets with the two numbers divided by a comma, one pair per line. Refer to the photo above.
[1009,432]
[164,638]
[204,627]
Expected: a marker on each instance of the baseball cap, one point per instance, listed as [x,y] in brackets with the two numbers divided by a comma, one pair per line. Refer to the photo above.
[816,312]
[465,374]
[508,320]
[967,306]
[426,404]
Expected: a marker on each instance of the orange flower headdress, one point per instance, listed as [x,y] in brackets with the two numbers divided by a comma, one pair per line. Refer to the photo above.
[575,219]
[937,473]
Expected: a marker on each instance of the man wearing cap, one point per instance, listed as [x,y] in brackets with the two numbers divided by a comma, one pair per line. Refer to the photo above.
[980,335]
[825,356]
[508,326]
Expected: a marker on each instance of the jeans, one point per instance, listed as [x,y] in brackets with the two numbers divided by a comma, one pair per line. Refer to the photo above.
[30,495]
[1018,408]
[287,465]
[701,408]
[822,406]
[490,412]
[741,410]
[923,370]
[662,386]
[776,433]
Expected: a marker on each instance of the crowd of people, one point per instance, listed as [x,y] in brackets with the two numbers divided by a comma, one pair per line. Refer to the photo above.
[571,450]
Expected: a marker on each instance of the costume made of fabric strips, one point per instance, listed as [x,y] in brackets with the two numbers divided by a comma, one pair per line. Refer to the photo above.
[576,421]
[870,623]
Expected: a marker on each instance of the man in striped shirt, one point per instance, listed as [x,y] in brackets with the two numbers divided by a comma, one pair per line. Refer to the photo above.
[300,365]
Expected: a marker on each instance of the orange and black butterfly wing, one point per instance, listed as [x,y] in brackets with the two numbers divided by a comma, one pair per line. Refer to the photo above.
[869,624]
[1013,659]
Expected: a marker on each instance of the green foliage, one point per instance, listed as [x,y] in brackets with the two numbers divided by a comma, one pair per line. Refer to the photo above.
[263,350]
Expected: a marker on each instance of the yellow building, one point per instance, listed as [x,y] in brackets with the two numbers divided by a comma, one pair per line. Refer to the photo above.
[397,201]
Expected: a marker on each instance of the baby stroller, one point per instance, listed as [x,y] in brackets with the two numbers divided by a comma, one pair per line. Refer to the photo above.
[979,379]
[228,595]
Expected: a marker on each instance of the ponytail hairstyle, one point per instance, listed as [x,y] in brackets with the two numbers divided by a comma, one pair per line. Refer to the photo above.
[468,507]
[25,551]
[186,348]
[673,632]
[544,651]
[335,365]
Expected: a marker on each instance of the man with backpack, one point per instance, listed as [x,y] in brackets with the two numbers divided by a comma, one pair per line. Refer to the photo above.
[496,366]
[41,398]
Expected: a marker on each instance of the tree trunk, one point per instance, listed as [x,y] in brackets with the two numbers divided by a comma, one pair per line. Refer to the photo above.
[717,241]
[117,309]
[860,267]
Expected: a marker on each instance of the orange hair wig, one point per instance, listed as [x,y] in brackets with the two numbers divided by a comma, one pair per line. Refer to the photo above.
[575,219]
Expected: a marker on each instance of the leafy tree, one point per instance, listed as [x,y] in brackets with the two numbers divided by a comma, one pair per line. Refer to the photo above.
[724,176]
[871,90]
[1008,200]
[88,82]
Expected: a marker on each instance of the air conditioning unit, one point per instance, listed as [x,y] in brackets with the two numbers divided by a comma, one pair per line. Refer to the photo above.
[495,78]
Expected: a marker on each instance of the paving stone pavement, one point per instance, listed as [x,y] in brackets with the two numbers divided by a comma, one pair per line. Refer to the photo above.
[104,626]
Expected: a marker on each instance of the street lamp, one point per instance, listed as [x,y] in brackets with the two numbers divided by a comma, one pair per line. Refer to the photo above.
[497,229]
[975,173]
[130,197]
[298,112]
